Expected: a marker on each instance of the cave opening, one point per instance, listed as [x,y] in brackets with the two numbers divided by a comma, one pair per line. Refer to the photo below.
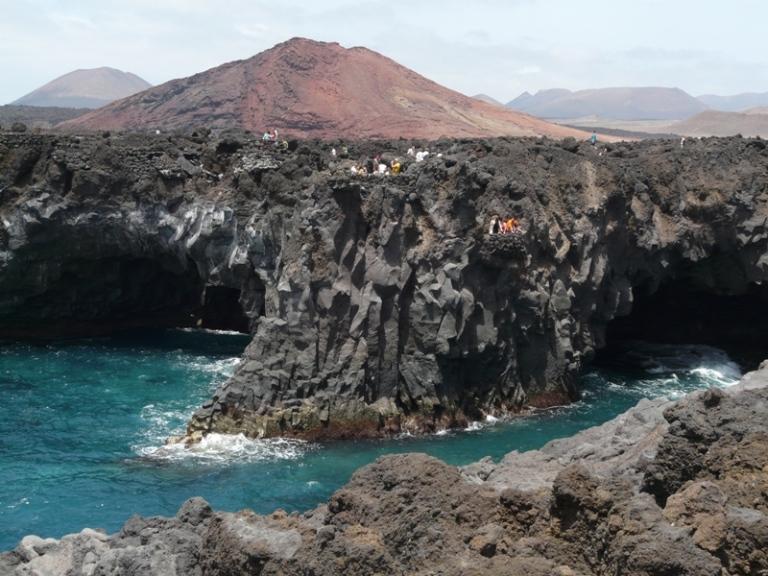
[221,310]
[691,309]
[79,298]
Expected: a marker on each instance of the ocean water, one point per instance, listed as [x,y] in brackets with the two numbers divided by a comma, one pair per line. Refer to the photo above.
[83,423]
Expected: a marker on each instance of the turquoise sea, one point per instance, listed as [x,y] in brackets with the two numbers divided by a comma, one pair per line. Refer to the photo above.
[83,423]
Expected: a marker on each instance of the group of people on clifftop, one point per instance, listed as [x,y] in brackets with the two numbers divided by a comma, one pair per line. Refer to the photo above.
[273,137]
[503,226]
[378,165]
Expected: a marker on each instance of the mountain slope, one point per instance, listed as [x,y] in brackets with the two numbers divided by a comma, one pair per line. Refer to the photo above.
[316,89]
[751,123]
[90,88]
[644,103]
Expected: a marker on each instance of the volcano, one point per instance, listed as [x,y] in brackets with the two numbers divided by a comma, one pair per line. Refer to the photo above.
[315,89]
[90,88]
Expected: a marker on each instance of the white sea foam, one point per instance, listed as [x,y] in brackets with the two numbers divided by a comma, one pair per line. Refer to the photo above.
[224,367]
[209,331]
[225,448]
[725,377]
[168,419]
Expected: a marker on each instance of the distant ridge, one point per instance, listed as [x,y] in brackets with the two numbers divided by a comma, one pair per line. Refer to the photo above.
[643,103]
[316,89]
[737,102]
[751,123]
[90,88]
[487,99]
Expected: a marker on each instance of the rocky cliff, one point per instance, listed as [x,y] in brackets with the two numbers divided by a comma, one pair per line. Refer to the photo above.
[666,488]
[382,304]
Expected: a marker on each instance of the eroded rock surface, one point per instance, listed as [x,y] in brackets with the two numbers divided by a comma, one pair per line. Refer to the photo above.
[611,500]
[378,305]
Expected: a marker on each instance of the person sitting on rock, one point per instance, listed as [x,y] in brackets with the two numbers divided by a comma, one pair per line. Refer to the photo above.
[396,166]
[267,137]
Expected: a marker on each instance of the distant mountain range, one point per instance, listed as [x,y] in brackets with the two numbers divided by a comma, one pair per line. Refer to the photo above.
[90,88]
[647,103]
[636,104]
[736,103]
[316,89]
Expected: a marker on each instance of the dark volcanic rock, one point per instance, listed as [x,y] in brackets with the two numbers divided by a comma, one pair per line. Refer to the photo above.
[586,511]
[379,305]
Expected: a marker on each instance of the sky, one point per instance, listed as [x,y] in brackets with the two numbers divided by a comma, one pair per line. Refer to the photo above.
[496,47]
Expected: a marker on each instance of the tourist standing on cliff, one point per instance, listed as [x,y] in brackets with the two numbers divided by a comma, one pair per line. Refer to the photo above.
[593,138]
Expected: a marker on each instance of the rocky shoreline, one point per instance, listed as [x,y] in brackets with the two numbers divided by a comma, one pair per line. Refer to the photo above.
[382,305]
[666,488]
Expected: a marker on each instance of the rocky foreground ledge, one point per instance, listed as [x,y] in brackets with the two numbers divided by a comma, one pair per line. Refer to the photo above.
[667,488]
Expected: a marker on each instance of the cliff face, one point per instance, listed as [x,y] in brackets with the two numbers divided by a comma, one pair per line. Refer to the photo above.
[381,304]
[666,488]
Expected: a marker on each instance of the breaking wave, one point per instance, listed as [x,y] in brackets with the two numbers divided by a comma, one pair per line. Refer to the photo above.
[227,448]
[169,418]
[656,370]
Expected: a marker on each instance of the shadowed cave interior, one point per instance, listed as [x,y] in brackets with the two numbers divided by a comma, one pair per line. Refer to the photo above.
[95,297]
[702,304]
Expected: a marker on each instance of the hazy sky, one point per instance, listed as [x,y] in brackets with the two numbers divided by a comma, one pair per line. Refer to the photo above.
[498,47]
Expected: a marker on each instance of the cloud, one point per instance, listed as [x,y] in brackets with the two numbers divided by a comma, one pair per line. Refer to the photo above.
[528,70]
[71,21]
[499,47]
[257,31]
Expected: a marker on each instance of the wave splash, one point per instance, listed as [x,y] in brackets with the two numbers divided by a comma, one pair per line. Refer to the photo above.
[168,418]
[228,448]
[663,370]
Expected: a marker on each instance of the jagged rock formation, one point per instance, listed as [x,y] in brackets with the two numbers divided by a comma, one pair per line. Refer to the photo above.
[666,488]
[382,304]
[314,89]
